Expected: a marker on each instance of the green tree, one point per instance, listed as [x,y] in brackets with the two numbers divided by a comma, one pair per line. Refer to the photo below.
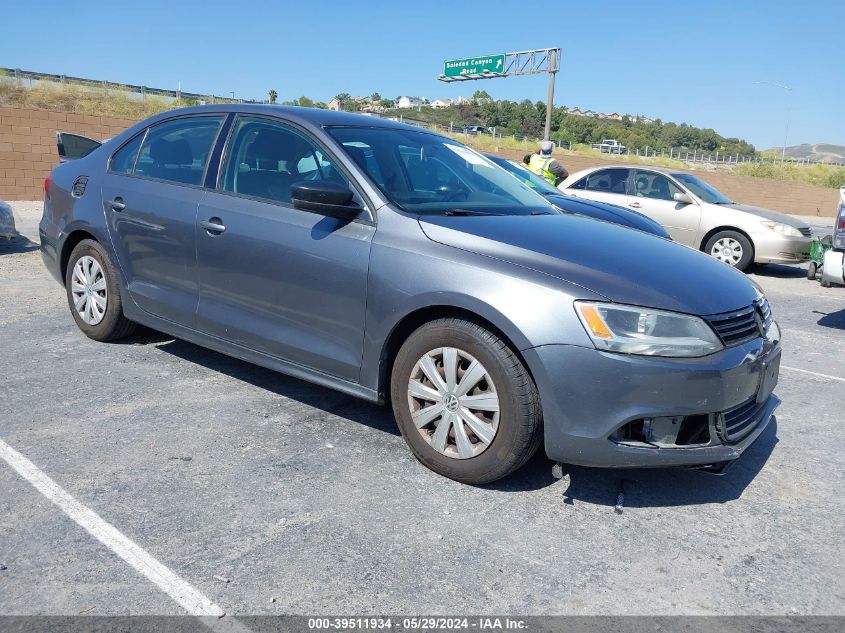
[272,96]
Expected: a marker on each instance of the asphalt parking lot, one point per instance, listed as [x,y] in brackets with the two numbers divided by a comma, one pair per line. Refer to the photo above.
[308,502]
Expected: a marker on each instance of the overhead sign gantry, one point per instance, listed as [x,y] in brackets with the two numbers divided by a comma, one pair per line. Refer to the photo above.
[533,62]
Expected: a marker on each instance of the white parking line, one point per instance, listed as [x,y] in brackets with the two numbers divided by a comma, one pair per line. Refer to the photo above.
[189,598]
[813,373]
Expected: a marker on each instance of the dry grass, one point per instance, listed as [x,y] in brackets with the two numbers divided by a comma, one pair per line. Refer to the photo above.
[830,176]
[73,98]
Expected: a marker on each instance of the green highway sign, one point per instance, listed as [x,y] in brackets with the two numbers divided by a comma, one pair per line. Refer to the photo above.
[474,65]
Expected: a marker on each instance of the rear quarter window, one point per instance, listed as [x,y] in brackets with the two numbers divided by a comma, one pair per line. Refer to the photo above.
[123,160]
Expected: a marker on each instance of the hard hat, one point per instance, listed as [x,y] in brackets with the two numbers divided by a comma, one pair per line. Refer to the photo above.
[546,148]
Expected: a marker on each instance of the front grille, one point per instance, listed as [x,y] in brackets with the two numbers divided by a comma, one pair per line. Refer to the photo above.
[806,231]
[734,424]
[738,326]
[78,187]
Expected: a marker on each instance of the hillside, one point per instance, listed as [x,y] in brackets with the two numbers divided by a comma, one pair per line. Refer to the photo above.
[820,152]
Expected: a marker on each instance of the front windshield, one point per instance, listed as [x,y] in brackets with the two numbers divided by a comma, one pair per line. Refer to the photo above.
[429,174]
[703,190]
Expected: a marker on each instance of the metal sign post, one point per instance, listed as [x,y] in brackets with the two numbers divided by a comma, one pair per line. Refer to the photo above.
[533,62]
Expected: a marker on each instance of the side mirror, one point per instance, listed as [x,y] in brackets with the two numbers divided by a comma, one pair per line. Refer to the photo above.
[324,197]
[683,198]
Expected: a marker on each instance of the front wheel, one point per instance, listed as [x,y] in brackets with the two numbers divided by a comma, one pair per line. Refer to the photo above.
[732,248]
[93,293]
[464,402]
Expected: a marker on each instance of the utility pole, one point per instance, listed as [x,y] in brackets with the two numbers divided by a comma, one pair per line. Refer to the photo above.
[550,99]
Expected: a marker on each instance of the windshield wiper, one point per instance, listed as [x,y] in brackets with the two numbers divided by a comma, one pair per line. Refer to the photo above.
[468,212]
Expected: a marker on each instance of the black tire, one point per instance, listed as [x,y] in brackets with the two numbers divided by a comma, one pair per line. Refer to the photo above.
[747,257]
[811,271]
[113,325]
[520,415]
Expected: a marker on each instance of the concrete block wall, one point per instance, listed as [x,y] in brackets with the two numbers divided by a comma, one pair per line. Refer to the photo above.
[28,145]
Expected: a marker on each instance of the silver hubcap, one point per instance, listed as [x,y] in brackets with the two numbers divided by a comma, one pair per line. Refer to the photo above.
[727,250]
[453,403]
[88,288]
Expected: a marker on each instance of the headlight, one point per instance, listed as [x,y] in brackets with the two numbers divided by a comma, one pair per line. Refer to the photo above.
[783,229]
[632,330]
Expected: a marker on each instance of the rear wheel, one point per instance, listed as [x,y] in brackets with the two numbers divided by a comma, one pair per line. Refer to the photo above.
[732,248]
[464,402]
[93,293]
[812,269]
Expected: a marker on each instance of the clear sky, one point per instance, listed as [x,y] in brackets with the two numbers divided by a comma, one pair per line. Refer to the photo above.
[679,60]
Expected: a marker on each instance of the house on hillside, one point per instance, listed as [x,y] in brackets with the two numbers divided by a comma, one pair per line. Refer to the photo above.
[439,104]
[614,116]
[336,104]
[409,102]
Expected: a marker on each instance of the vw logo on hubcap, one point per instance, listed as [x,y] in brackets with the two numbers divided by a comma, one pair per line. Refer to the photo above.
[450,401]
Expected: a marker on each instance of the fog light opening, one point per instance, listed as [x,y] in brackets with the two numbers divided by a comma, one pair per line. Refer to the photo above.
[666,431]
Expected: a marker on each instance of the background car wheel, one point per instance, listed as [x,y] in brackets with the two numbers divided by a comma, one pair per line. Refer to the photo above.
[93,293]
[732,248]
[812,269]
[464,402]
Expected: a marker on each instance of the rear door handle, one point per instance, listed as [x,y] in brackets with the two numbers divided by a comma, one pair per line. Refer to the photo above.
[213,226]
[635,205]
[117,204]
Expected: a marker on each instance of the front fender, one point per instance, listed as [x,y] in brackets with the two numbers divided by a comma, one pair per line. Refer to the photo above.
[409,275]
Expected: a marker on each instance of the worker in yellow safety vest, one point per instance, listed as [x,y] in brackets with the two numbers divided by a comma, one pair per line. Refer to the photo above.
[547,167]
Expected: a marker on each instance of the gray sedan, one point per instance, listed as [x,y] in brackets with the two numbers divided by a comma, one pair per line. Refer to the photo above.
[400,266]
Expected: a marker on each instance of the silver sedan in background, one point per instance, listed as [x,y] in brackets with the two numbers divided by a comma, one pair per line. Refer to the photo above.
[697,214]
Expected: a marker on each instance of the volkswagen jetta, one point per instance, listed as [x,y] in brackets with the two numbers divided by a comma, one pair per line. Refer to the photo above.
[399,266]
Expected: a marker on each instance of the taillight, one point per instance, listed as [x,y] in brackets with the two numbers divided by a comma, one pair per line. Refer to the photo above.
[47,187]
[842,222]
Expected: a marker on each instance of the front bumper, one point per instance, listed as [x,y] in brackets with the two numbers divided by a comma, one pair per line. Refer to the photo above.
[592,399]
[774,248]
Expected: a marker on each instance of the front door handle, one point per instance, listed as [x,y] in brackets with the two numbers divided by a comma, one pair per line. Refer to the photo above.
[635,205]
[117,204]
[213,226]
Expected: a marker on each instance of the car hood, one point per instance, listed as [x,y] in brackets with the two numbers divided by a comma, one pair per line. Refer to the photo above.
[622,265]
[766,214]
[608,213]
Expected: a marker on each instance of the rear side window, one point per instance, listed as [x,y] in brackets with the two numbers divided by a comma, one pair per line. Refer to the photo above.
[123,160]
[607,181]
[178,150]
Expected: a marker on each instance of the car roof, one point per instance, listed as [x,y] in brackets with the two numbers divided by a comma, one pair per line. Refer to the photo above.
[298,114]
[661,170]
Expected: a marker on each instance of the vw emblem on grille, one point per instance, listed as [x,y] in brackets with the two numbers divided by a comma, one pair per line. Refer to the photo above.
[450,401]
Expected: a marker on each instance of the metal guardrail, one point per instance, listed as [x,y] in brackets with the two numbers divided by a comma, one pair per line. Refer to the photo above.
[21,75]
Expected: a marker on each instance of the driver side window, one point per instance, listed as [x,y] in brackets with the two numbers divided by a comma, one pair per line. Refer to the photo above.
[265,158]
[655,186]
